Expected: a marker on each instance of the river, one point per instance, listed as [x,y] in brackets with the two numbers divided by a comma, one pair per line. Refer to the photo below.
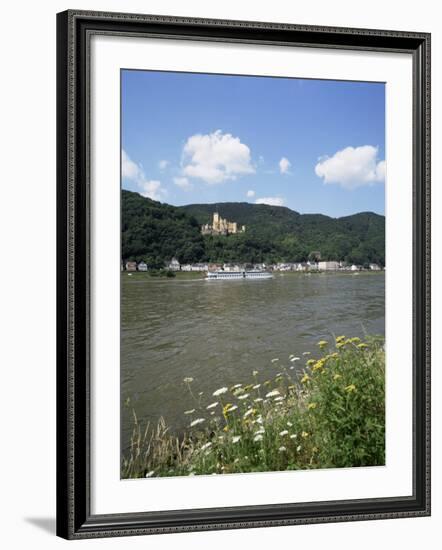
[218,332]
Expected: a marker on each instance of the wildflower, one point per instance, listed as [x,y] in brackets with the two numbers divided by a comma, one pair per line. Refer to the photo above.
[362,346]
[236,386]
[206,446]
[243,396]
[274,360]
[306,353]
[293,436]
[340,339]
[350,388]
[258,437]
[212,413]
[312,406]
[150,474]
[334,355]
[230,409]
[293,359]
[337,377]
[311,362]
[212,405]
[255,372]
[248,413]
[282,449]
[318,365]
[298,448]
[267,383]
[197,421]
[284,432]
[220,391]
[290,424]
[354,340]
[305,378]
[188,380]
[258,400]
[256,386]
[291,368]
[191,411]
[221,437]
[236,461]
[278,399]
[273,393]
[236,438]
[322,344]
[226,428]
[260,431]
[339,345]
[304,434]
[259,420]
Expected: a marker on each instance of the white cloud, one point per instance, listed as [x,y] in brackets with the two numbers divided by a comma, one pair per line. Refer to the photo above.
[134,172]
[130,170]
[284,165]
[250,193]
[163,164]
[184,183]
[216,157]
[152,189]
[352,167]
[272,201]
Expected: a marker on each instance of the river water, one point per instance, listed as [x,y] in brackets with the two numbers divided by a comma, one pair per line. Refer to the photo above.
[218,332]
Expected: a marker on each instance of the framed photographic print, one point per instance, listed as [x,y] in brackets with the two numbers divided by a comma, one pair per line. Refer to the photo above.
[243,274]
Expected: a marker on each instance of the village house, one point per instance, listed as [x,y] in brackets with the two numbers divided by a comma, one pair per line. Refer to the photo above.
[174,265]
[142,266]
[329,266]
[232,267]
[131,266]
[199,267]
[375,267]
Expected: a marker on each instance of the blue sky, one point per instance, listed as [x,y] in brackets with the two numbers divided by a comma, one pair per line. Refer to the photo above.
[314,146]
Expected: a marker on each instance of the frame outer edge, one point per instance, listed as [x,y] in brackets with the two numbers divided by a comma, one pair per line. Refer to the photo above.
[72,522]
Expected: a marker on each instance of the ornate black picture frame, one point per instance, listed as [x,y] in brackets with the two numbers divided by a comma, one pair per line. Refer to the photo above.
[74,31]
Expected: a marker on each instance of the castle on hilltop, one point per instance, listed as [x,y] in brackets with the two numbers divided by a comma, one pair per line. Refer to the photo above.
[221,226]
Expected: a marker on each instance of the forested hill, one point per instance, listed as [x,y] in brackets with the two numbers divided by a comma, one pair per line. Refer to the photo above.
[155,232]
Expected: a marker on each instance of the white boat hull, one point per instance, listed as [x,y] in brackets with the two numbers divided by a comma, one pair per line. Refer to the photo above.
[238,275]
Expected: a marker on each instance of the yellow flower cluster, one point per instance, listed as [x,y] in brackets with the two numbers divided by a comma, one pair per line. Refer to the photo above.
[350,388]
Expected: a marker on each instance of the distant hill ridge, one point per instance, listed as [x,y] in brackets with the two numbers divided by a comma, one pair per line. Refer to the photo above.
[155,232]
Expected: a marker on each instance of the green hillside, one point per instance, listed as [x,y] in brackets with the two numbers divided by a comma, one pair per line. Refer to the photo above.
[155,232]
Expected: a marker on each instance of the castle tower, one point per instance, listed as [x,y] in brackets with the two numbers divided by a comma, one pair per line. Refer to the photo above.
[215,224]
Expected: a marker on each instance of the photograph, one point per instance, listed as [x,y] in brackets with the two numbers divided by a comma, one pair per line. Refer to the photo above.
[253,261]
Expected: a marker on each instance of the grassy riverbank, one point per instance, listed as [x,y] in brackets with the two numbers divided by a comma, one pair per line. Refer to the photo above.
[330,415]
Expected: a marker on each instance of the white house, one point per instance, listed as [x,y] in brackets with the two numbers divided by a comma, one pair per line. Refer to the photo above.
[174,265]
[142,266]
[375,267]
[199,267]
[354,268]
[328,266]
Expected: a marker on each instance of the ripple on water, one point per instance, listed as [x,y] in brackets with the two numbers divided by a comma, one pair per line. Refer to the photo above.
[219,333]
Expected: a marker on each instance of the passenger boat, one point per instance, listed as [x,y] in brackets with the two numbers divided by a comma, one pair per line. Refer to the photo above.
[237,275]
